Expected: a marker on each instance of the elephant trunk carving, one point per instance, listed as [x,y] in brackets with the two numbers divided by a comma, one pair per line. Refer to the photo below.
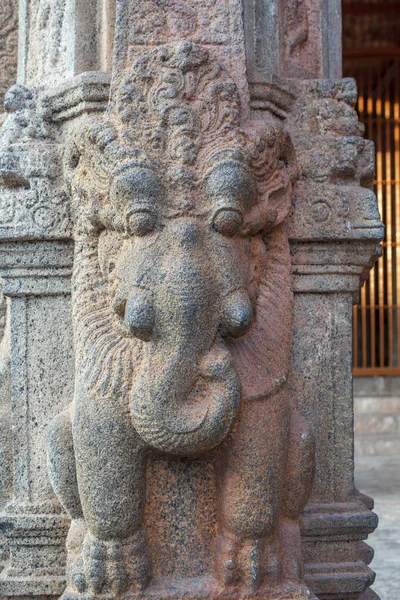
[166,418]
[187,393]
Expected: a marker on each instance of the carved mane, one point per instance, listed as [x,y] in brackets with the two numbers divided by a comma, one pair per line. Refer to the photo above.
[105,361]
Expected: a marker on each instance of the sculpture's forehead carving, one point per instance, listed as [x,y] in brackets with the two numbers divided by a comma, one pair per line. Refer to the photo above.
[171,145]
[140,191]
[176,89]
[136,195]
[177,104]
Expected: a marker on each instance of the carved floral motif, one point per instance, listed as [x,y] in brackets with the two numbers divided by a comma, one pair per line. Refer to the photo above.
[160,21]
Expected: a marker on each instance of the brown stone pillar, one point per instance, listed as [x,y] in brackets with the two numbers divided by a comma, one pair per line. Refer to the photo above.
[8,74]
[334,235]
[218,194]
[335,229]
[294,61]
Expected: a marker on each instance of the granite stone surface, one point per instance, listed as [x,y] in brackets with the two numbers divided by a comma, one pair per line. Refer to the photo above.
[186,215]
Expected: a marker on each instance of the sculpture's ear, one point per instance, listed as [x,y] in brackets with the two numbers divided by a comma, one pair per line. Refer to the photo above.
[279,187]
[87,166]
[273,163]
[262,357]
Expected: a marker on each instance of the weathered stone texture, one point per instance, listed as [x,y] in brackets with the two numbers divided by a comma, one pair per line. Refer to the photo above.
[296,39]
[172,178]
[33,202]
[8,45]
[46,40]
[211,229]
[5,420]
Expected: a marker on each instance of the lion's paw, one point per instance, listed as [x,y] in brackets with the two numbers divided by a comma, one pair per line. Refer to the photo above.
[109,569]
[246,563]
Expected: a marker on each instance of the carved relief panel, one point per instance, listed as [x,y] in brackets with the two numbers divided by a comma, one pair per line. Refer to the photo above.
[8,46]
[46,51]
[182,320]
[32,201]
[301,34]
[175,448]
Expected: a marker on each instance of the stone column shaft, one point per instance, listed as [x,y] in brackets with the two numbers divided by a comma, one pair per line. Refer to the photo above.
[36,281]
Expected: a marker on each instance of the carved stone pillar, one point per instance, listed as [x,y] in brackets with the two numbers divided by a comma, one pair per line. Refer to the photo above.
[35,265]
[198,169]
[38,290]
[8,46]
[335,229]
[294,53]
[5,422]
[8,73]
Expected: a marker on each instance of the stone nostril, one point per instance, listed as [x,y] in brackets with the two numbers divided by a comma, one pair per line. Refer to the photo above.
[227,221]
[139,315]
[237,314]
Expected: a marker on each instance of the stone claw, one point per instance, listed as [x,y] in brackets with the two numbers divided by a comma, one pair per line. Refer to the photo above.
[245,563]
[109,570]
[78,576]
[226,559]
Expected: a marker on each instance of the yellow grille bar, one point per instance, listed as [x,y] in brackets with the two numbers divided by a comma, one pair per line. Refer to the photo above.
[376,320]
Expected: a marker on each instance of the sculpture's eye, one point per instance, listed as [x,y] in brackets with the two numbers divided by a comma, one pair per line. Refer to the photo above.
[141,222]
[136,193]
[232,192]
[227,221]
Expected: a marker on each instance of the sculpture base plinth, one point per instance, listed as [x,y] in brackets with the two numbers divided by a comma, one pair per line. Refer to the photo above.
[340,581]
[202,588]
[34,588]
[36,568]
[336,559]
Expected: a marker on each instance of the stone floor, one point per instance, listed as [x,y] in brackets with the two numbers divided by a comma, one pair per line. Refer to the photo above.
[377,416]
[379,477]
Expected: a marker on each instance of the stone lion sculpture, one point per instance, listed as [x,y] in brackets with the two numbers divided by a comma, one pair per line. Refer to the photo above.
[182,327]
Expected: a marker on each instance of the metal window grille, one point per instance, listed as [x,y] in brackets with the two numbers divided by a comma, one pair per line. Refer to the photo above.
[372,57]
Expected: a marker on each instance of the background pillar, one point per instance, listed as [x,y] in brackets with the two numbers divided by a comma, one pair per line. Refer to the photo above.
[295,66]
[61,76]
